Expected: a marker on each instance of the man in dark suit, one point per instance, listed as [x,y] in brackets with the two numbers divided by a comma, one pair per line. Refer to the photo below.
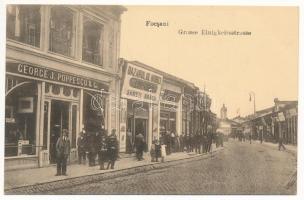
[112,149]
[140,146]
[63,152]
[81,145]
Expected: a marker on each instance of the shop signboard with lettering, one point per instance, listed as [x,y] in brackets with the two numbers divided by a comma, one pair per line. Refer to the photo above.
[141,84]
[42,73]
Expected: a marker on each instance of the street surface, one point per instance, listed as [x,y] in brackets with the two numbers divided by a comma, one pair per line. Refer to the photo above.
[240,168]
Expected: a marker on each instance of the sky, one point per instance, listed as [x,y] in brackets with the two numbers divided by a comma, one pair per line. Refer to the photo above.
[230,66]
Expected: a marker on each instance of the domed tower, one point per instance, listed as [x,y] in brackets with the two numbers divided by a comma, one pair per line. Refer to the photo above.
[224,112]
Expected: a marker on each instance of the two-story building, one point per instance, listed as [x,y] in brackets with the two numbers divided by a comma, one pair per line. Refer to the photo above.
[61,73]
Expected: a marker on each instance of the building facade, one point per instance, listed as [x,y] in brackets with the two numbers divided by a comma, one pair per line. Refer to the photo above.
[274,122]
[61,73]
[154,103]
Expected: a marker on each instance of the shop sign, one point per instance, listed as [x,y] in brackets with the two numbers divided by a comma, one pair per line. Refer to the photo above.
[54,75]
[293,112]
[141,84]
[281,116]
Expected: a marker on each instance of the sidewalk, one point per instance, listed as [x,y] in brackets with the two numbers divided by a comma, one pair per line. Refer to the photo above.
[35,176]
[289,148]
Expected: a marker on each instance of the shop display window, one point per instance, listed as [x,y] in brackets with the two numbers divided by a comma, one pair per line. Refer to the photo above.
[92,41]
[23,24]
[20,121]
[62,31]
[93,111]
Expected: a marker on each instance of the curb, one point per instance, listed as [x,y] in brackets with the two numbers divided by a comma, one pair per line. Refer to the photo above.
[39,188]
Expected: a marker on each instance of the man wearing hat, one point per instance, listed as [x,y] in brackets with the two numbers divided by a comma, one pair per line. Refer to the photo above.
[62,152]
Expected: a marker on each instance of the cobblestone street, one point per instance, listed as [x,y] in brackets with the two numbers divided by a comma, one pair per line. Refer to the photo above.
[240,168]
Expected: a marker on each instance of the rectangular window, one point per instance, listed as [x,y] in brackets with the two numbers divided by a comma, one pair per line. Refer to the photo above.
[62,32]
[23,24]
[92,41]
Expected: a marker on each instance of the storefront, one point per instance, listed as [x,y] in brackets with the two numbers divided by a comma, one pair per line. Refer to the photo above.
[40,103]
[170,109]
[139,105]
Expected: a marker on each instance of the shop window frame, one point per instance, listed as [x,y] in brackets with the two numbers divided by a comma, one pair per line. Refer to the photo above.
[93,19]
[20,41]
[74,39]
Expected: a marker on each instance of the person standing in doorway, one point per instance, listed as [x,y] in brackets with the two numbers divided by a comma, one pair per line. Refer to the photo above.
[63,152]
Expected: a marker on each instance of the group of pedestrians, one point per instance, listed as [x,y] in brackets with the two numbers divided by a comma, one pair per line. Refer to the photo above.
[241,137]
[198,143]
[90,146]
[170,142]
[97,144]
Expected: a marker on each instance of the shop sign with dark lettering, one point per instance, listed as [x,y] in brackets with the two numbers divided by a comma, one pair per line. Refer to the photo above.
[53,75]
[141,84]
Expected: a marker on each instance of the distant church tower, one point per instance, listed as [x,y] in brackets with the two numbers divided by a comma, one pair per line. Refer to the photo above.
[224,112]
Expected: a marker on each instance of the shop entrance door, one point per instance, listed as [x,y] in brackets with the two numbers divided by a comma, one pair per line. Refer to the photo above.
[59,121]
[141,127]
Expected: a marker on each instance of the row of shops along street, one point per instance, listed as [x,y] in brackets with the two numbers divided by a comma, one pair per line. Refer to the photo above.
[67,74]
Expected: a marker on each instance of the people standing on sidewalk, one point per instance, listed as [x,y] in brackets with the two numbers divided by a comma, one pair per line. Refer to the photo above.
[102,149]
[155,150]
[81,147]
[281,145]
[62,153]
[172,141]
[221,137]
[209,138]
[192,142]
[250,137]
[112,149]
[261,136]
[129,141]
[92,148]
[168,142]
[197,143]
[205,146]
[162,147]
[177,143]
[182,142]
[187,142]
[140,146]
[201,141]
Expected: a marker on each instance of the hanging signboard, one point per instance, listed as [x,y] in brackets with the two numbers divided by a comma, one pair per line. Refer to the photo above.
[141,84]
